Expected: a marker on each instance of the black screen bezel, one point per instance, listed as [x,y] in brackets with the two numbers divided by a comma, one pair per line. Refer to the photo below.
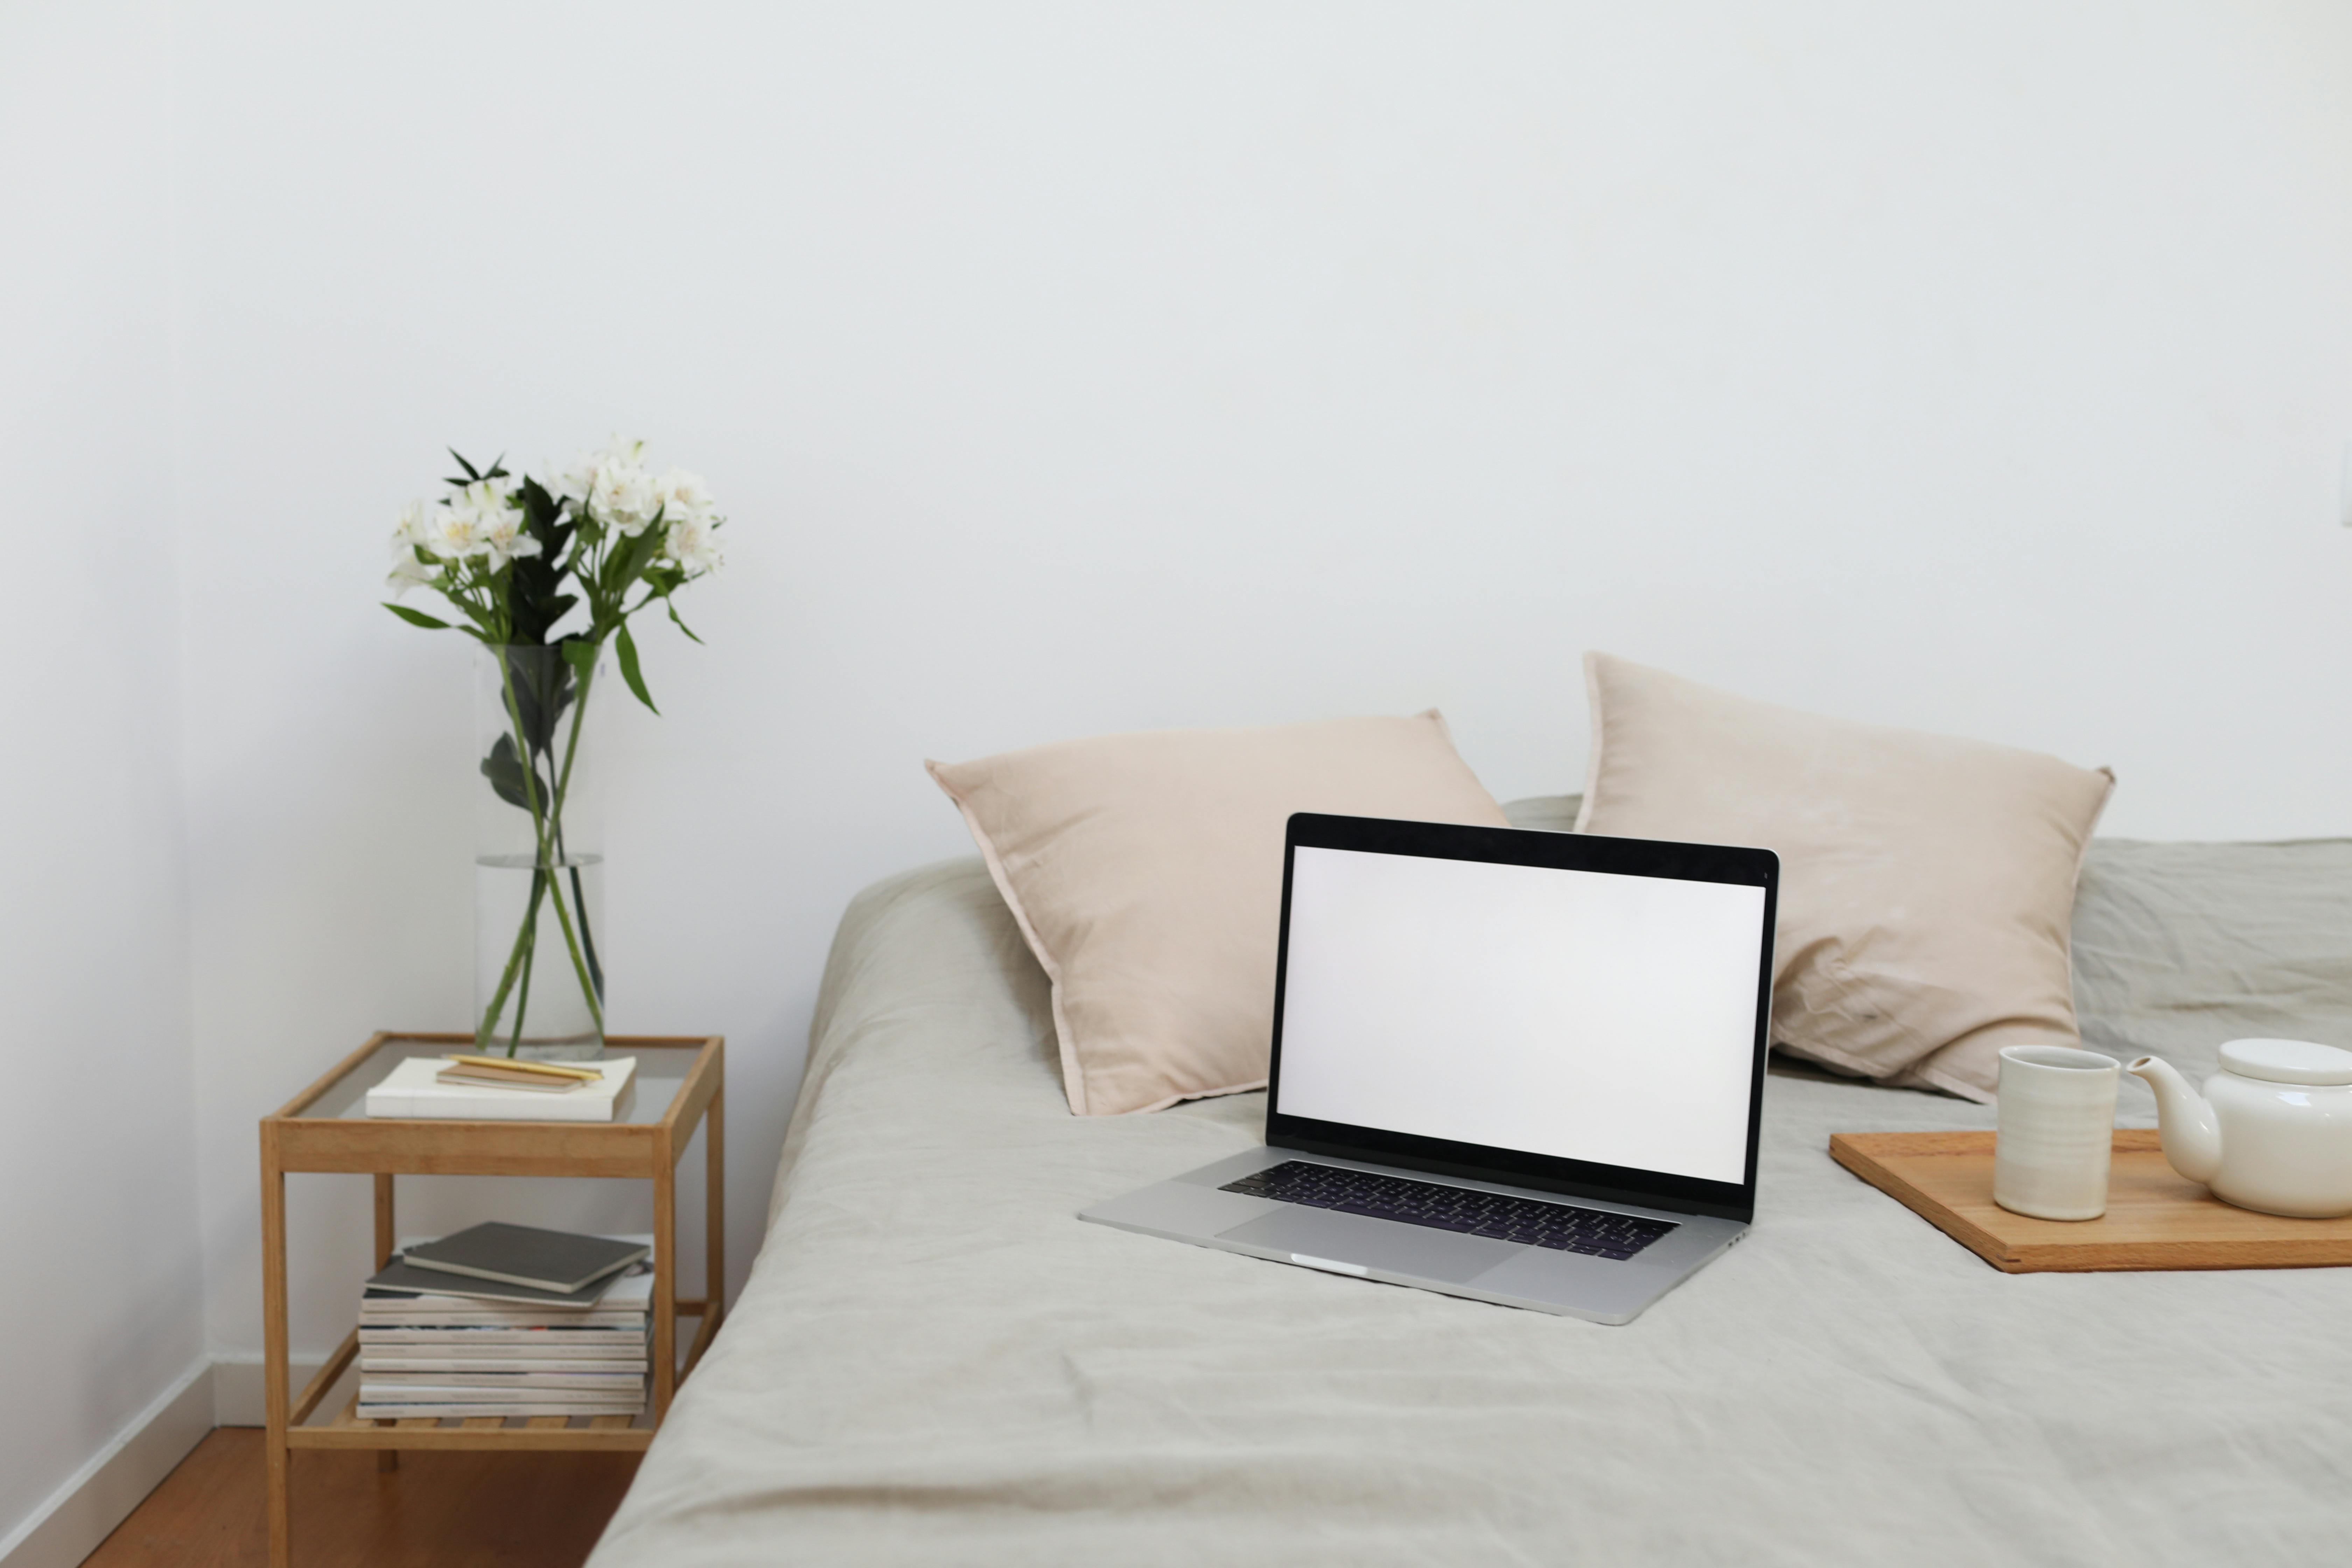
[1561,851]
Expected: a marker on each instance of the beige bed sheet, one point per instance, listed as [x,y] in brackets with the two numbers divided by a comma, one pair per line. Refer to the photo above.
[935,1363]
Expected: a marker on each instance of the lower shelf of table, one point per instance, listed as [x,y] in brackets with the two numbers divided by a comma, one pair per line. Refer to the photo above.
[626,1433]
[336,1388]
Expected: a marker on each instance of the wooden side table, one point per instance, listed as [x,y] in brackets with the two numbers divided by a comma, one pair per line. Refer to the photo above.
[680,1083]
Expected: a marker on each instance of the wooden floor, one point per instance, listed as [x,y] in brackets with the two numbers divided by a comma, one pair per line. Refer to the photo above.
[449,1511]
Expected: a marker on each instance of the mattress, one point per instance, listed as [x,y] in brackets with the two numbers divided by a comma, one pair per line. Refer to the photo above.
[934,1362]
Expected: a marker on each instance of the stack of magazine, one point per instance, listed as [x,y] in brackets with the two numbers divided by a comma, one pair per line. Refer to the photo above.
[506,1319]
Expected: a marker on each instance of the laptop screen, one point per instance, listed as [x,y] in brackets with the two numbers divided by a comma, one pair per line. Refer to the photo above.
[1573,1014]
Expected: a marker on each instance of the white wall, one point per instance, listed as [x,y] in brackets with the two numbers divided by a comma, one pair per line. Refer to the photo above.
[104,1309]
[1978,366]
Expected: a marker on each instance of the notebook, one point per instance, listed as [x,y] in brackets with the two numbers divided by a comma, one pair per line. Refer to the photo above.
[412,1091]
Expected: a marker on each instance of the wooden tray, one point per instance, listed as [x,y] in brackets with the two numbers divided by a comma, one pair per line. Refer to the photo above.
[2154,1219]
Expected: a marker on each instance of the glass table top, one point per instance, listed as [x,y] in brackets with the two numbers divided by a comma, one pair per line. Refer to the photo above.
[661,1072]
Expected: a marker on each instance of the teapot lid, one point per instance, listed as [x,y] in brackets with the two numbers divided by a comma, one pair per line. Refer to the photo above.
[2287,1061]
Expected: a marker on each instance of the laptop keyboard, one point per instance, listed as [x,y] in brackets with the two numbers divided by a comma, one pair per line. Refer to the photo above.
[1560,1226]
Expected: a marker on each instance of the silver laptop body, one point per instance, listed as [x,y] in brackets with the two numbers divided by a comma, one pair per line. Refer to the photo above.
[1525,1068]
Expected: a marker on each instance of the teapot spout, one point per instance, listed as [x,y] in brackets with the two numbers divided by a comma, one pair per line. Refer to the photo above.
[2190,1132]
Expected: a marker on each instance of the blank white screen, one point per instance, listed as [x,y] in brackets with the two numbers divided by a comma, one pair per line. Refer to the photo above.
[1577,1014]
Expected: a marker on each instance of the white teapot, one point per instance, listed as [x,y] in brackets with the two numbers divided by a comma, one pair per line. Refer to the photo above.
[2273,1130]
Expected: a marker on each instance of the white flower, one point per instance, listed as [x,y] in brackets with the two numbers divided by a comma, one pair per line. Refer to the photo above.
[577,480]
[685,497]
[502,538]
[573,482]
[408,572]
[693,543]
[414,527]
[479,520]
[623,494]
[448,530]
[490,495]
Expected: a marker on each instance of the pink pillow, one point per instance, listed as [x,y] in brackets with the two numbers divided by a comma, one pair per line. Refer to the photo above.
[1145,872]
[1926,883]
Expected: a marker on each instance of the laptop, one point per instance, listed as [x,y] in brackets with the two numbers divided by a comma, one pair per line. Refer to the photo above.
[1521,1066]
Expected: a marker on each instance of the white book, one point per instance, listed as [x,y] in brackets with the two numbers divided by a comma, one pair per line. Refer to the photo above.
[373,1391]
[615,1383]
[413,1089]
[473,1363]
[405,1411]
[503,1320]
[576,1342]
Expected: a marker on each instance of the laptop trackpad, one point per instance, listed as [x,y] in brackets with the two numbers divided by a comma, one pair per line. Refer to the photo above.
[1390,1246]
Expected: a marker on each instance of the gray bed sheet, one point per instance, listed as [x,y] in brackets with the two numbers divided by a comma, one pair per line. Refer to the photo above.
[935,1363]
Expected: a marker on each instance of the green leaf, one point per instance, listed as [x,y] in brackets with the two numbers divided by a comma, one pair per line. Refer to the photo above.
[535,596]
[504,769]
[626,565]
[471,472]
[581,654]
[418,617]
[624,648]
[675,621]
[540,690]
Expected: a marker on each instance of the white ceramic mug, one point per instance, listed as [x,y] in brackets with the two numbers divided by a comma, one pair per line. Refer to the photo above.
[2057,1132]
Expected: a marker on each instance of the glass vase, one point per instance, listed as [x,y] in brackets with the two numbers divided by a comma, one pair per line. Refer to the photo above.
[538,866]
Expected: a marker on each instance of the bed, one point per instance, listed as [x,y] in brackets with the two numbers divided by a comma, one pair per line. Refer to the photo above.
[934,1362]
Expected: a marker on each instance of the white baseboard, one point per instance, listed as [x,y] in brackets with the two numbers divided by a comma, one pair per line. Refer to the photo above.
[74,1519]
[82,1512]
[240,1397]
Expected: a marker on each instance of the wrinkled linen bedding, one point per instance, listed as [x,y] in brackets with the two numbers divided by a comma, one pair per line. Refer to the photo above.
[934,1362]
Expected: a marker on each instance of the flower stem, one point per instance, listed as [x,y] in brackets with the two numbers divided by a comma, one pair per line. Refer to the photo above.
[528,938]
[571,745]
[555,818]
[579,967]
[489,1024]
[540,829]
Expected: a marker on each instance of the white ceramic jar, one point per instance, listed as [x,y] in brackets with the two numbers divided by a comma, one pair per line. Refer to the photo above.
[2273,1130]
